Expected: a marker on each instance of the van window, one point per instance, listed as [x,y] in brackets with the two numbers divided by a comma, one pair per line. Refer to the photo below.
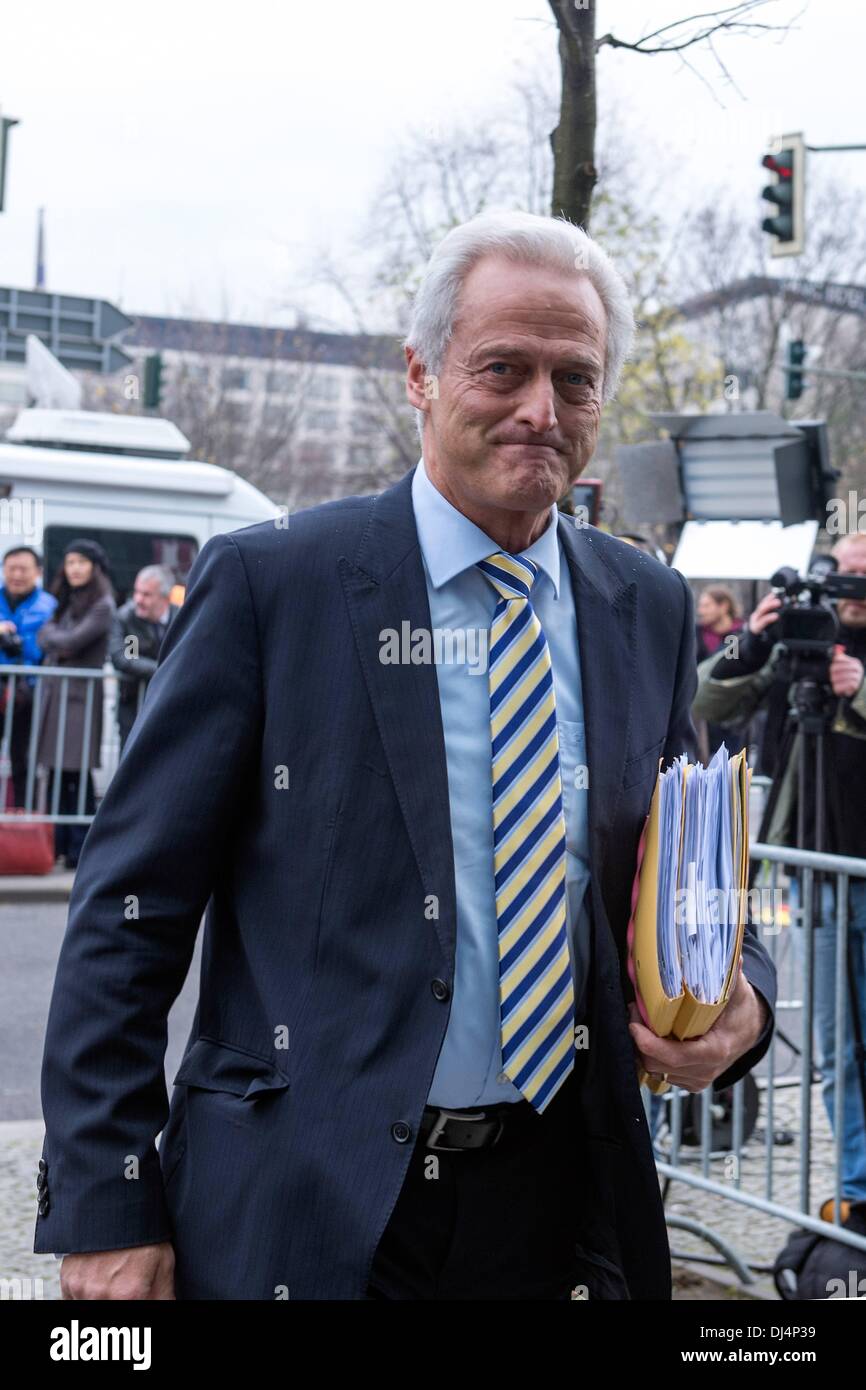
[127,551]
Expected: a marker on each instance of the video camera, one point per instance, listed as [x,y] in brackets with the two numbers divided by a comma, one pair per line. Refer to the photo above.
[808,625]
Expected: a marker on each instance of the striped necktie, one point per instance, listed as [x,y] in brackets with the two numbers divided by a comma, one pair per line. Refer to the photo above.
[535,981]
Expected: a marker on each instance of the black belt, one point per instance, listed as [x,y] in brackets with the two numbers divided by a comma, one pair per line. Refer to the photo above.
[481,1128]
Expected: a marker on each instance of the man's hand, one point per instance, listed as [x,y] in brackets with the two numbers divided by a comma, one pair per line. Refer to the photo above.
[141,1271]
[766,612]
[846,672]
[693,1064]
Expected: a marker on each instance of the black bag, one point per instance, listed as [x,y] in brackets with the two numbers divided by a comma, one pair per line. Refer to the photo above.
[812,1266]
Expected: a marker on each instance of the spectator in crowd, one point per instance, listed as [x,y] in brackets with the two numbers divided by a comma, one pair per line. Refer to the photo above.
[718,617]
[718,614]
[136,636]
[77,635]
[732,688]
[24,607]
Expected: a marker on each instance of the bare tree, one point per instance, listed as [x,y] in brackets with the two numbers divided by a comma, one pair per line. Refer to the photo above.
[434,182]
[573,140]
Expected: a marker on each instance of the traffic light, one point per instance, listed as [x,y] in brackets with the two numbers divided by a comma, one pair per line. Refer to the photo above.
[6,124]
[796,358]
[787,161]
[152,394]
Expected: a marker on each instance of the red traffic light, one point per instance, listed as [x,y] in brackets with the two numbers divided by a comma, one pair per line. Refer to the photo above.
[782,164]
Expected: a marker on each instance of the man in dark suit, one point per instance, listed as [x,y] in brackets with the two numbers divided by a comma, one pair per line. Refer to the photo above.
[402,748]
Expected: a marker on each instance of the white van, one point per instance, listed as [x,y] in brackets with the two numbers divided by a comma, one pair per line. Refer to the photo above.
[122,480]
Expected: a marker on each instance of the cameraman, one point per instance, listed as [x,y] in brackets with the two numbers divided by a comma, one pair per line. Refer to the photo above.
[24,607]
[730,690]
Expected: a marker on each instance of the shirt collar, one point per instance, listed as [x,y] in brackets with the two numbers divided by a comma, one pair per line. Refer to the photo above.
[451,543]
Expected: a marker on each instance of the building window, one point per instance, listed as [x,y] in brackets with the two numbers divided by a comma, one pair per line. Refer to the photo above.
[362,456]
[235,412]
[235,379]
[365,388]
[277,417]
[198,372]
[311,455]
[321,420]
[324,388]
[281,383]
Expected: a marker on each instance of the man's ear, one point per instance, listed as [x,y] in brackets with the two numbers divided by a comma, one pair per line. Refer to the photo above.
[417,381]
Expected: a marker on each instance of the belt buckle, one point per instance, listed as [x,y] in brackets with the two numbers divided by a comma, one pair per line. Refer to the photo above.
[442,1120]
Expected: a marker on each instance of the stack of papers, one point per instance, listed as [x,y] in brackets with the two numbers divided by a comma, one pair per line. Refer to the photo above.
[686,932]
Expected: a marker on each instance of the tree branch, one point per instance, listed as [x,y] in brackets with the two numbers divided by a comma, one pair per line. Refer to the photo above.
[733,20]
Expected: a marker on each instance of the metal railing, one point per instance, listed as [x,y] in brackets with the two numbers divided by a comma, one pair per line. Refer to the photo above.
[677,1165]
[42,778]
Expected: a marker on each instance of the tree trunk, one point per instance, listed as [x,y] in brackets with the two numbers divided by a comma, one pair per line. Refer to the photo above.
[573,140]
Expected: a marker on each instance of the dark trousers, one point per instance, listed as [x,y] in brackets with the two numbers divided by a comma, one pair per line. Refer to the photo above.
[68,839]
[19,749]
[495,1223]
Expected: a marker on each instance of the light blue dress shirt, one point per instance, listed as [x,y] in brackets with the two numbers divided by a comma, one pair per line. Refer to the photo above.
[461,599]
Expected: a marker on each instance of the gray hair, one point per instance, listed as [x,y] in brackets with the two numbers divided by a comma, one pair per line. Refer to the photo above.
[527,239]
[162,574]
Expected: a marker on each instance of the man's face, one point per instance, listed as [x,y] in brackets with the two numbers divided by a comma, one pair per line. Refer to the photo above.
[149,603]
[20,573]
[851,559]
[519,395]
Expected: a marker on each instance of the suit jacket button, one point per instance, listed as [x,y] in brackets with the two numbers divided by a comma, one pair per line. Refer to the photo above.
[401,1132]
[41,1181]
[43,1204]
[43,1166]
[440,990]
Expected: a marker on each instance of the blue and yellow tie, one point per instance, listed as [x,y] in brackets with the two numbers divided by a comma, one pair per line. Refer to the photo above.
[535,982]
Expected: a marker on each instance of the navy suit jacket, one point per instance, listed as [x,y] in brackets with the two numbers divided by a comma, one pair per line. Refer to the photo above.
[285,779]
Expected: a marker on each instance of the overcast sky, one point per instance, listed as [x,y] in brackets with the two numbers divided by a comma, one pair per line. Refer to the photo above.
[192,154]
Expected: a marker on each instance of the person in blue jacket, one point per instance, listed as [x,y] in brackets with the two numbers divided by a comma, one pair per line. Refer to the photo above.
[24,607]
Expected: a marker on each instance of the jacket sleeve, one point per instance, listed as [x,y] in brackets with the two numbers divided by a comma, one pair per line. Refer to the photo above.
[760,972]
[66,641]
[135,666]
[731,701]
[143,880]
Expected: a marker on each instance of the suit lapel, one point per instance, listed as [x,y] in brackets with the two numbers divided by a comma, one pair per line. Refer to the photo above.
[385,588]
[606,634]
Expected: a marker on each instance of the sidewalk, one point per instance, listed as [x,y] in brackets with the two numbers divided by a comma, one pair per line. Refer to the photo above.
[37,888]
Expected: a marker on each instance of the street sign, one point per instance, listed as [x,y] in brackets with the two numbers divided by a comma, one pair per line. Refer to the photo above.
[79,332]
